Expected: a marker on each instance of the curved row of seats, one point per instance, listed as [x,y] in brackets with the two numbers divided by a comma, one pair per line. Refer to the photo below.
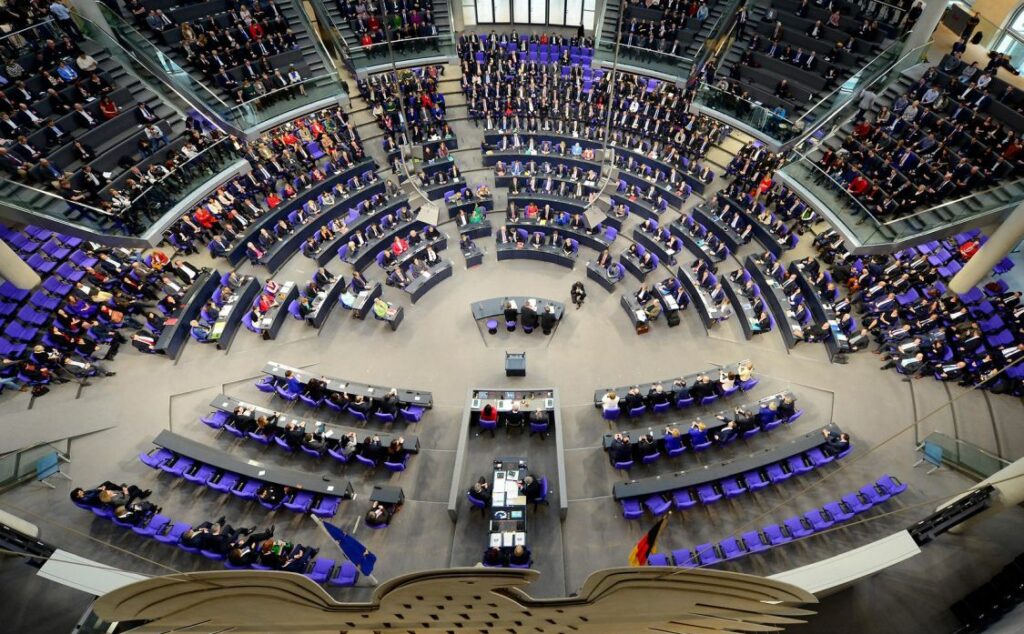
[166,531]
[682,499]
[796,527]
[226,482]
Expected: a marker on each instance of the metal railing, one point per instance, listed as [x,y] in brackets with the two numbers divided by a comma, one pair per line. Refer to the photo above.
[27,39]
[965,456]
[260,108]
[771,122]
[18,466]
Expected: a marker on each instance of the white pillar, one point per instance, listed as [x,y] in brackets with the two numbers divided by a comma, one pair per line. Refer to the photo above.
[1009,492]
[999,244]
[14,270]
[926,24]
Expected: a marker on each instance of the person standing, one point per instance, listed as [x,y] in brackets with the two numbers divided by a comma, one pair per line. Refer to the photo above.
[578,294]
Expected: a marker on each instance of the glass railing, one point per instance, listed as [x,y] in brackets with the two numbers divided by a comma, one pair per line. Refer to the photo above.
[27,40]
[331,31]
[965,456]
[314,33]
[404,50]
[257,109]
[650,59]
[771,122]
[868,229]
[122,214]
[137,52]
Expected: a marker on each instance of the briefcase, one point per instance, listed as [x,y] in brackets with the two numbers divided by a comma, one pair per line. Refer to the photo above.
[672,317]
[642,328]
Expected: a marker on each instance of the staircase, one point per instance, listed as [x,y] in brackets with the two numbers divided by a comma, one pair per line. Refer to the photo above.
[359,60]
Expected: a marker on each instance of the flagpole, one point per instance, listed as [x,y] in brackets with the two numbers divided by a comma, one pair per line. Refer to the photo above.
[372,581]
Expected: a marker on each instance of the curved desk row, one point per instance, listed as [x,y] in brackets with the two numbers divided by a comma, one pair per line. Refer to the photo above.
[713,424]
[368,253]
[423,282]
[364,300]
[744,309]
[437,165]
[690,379]
[323,309]
[237,253]
[639,206]
[536,184]
[274,318]
[405,396]
[440,243]
[554,255]
[495,307]
[777,302]
[714,224]
[227,404]
[706,307]
[281,251]
[330,249]
[600,275]
[700,248]
[761,233]
[437,191]
[254,469]
[569,205]
[708,474]
[174,336]
[229,320]
[651,189]
[822,312]
[649,242]
[585,238]
[469,205]
[490,159]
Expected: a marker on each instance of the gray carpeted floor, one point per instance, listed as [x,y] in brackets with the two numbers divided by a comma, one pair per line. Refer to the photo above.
[440,348]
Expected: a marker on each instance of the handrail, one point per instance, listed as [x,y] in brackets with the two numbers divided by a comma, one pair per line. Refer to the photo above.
[657,52]
[289,87]
[19,185]
[400,42]
[872,82]
[177,168]
[323,15]
[121,23]
[27,28]
[961,200]
[804,158]
[304,18]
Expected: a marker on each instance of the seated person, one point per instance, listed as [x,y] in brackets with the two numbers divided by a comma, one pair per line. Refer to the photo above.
[492,557]
[620,449]
[610,401]
[489,414]
[835,444]
[727,433]
[519,557]
[396,451]
[514,419]
[136,513]
[379,514]
[481,491]
[271,493]
[531,489]
[107,494]
[245,549]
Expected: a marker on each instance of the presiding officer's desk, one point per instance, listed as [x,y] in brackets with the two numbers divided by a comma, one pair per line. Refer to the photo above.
[230,318]
[364,300]
[495,307]
[690,378]
[712,424]
[777,302]
[175,335]
[544,253]
[323,307]
[707,474]
[405,396]
[274,318]
[225,403]
[323,484]
[706,307]
[507,525]
[502,400]
[423,282]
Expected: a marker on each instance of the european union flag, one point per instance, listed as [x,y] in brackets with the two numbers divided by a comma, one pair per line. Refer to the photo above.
[362,558]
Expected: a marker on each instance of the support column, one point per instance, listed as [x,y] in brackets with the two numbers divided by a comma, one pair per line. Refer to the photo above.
[14,270]
[1009,492]
[926,24]
[999,244]
[458,24]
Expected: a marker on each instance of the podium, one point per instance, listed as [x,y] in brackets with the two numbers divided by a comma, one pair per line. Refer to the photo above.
[515,364]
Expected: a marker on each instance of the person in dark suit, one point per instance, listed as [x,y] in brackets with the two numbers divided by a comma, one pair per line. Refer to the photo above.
[620,449]
[727,433]
[835,444]
[245,549]
[530,488]
[271,493]
[136,513]
[481,491]
[528,315]
[547,320]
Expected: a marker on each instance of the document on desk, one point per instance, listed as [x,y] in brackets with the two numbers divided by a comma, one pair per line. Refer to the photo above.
[520,539]
[508,539]
[495,540]
[511,488]
[498,500]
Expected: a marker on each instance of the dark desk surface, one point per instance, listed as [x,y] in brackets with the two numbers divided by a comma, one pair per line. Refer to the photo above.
[700,297]
[323,310]
[423,282]
[254,469]
[760,232]
[545,253]
[744,309]
[712,372]
[274,318]
[469,205]
[364,300]
[329,250]
[174,337]
[583,237]
[777,302]
[665,255]
[503,399]
[714,224]
[230,318]
[495,307]
[225,403]
[707,474]
[822,312]
[368,253]
[557,203]
[405,396]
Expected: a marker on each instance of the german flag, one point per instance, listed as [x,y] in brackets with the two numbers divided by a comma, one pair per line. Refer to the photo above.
[645,547]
